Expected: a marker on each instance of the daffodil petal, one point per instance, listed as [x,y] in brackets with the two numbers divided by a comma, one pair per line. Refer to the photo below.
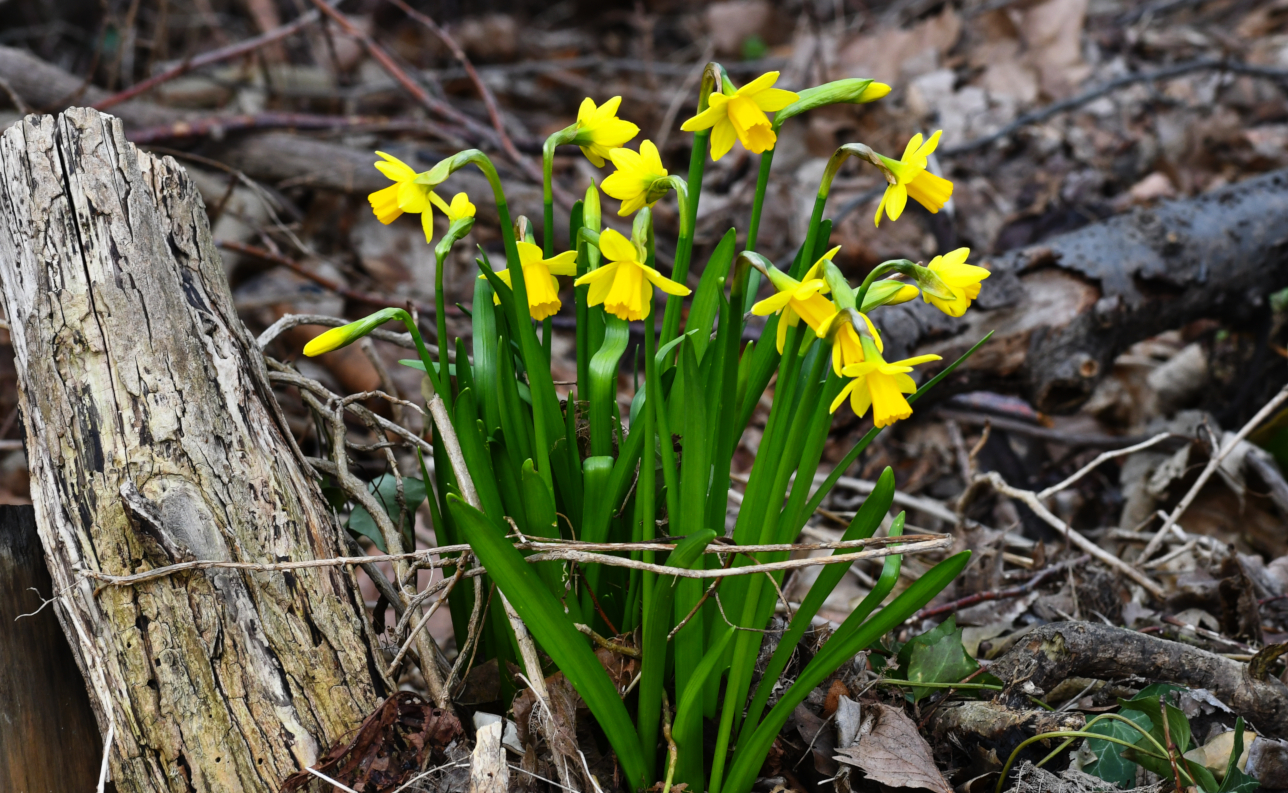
[615,247]
[563,264]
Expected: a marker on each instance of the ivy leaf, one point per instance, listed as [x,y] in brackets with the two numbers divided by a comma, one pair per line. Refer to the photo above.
[944,661]
[931,636]
[385,489]
[1110,765]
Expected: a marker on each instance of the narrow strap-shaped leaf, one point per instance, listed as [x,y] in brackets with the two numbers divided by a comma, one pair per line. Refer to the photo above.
[657,624]
[706,299]
[603,385]
[862,526]
[687,729]
[695,473]
[751,754]
[544,617]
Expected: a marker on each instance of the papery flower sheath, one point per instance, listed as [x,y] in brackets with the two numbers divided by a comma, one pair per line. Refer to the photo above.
[624,285]
[742,116]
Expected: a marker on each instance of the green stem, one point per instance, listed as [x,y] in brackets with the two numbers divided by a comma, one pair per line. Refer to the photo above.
[877,272]
[688,217]
[1066,734]
[440,319]
[548,196]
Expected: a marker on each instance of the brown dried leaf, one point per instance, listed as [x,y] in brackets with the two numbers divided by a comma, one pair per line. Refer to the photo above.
[895,754]
[390,746]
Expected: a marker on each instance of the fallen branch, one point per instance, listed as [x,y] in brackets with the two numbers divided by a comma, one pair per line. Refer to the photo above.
[1053,653]
[1064,310]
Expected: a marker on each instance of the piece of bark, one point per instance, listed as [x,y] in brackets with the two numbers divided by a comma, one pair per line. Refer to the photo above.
[489,773]
[272,157]
[993,729]
[42,694]
[149,415]
[1064,309]
[1053,652]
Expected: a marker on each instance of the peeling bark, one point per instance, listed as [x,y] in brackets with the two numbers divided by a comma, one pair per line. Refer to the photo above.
[1063,310]
[152,435]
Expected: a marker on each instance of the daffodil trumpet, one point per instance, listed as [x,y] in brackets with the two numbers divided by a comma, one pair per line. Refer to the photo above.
[879,385]
[798,300]
[624,286]
[913,180]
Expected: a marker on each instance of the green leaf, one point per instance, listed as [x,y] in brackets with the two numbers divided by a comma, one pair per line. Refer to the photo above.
[385,489]
[603,385]
[687,730]
[544,617]
[1110,765]
[657,625]
[862,526]
[751,753]
[943,661]
[706,299]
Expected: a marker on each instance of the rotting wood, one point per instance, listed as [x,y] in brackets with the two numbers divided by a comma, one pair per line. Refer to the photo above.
[1064,309]
[42,695]
[135,371]
[1052,653]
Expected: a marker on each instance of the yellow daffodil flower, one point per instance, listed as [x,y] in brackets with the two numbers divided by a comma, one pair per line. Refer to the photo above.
[459,208]
[599,130]
[404,195]
[931,191]
[539,278]
[881,386]
[636,172]
[624,285]
[847,348]
[962,278]
[742,116]
[799,300]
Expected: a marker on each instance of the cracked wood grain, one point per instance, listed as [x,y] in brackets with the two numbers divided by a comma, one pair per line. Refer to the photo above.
[152,432]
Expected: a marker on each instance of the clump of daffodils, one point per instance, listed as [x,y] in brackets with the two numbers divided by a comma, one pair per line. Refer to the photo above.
[521,466]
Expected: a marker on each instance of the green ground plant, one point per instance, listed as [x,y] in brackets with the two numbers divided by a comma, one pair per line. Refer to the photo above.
[537,464]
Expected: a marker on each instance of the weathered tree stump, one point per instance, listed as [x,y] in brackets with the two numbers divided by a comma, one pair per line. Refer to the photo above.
[44,712]
[135,372]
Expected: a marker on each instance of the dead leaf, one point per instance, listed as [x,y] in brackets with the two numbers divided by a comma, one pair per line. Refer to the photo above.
[895,754]
[390,746]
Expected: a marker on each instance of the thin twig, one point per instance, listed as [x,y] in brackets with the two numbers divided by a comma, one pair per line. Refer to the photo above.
[1031,500]
[393,665]
[1101,458]
[329,780]
[607,644]
[1001,594]
[107,753]
[214,56]
[1212,465]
